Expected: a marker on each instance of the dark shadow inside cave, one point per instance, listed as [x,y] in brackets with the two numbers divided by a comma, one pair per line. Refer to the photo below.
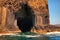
[25,18]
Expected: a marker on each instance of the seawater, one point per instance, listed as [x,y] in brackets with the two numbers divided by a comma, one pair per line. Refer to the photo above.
[24,36]
[54,38]
[29,36]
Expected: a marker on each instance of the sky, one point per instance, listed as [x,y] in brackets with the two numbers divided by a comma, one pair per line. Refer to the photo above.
[54,11]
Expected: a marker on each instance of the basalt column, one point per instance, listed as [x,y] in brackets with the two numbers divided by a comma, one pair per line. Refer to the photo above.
[7,20]
[40,8]
[3,14]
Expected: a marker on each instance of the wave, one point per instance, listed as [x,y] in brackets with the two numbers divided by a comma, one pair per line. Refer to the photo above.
[27,36]
[16,34]
[51,34]
[7,34]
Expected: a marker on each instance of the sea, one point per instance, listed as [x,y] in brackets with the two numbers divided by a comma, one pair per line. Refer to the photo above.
[30,36]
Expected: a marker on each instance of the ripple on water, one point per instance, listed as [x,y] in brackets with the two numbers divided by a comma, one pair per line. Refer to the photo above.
[24,36]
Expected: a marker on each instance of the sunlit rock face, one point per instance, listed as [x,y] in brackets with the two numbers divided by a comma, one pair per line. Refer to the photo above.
[9,8]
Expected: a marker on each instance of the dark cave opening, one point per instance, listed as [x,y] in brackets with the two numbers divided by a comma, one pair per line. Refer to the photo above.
[25,18]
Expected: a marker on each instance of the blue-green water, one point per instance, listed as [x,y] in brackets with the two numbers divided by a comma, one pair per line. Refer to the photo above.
[29,36]
[55,38]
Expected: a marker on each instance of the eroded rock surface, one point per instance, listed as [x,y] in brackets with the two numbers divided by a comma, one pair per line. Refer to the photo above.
[8,8]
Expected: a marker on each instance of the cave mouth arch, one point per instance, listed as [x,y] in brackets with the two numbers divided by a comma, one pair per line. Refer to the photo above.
[25,18]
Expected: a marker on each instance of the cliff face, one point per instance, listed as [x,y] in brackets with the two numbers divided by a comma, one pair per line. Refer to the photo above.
[7,20]
[9,8]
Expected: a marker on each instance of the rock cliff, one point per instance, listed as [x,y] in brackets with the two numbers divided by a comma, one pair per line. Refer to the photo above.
[8,9]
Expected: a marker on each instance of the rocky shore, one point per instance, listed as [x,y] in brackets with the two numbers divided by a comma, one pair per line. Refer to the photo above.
[45,29]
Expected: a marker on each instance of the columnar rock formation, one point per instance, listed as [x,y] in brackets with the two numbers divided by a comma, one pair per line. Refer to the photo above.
[8,8]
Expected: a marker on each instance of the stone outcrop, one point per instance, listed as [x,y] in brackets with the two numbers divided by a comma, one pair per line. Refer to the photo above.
[8,8]
[46,29]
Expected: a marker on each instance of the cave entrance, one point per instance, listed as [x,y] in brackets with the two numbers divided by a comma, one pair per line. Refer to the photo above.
[25,18]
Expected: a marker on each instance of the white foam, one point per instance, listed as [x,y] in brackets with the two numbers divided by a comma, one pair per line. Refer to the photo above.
[27,36]
[53,33]
[8,34]
[14,34]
